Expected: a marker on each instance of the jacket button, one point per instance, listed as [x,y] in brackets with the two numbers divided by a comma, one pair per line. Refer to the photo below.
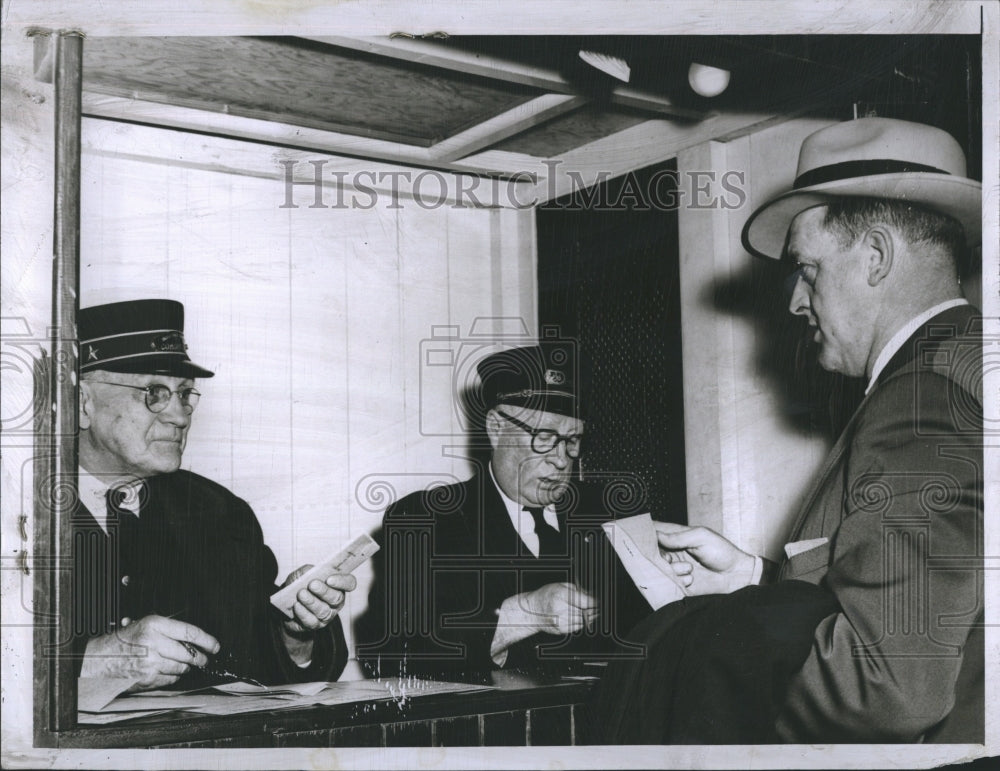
[125,580]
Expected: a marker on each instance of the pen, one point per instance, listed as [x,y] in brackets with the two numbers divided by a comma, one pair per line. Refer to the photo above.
[212,671]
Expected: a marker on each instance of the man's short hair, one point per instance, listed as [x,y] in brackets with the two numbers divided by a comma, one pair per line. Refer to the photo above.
[849,217]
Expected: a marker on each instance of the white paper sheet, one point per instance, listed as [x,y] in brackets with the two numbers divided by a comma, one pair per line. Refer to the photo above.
[95,693]
[238,698]
[103,718]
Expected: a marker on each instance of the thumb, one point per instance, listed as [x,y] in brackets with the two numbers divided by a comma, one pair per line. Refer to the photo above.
[678,537]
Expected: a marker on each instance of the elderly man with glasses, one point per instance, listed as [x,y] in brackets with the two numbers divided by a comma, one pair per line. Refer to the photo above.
[496,572]
[171,575]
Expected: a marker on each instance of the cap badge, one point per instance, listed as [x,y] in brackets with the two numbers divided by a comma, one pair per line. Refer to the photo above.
[554,377]
[91,353]
[171,341]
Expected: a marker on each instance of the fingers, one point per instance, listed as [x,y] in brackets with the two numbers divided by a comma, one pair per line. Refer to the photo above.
[152,654]
[581,599]
[669,527]
[684,571]
[170,666]
[345,582]
[183,632]
[679,537]
[320,601]
[185,652]
[306,619]
[319,595]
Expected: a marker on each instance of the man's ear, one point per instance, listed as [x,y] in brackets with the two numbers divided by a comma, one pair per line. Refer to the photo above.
[494,427]
[879,244]
[86,405]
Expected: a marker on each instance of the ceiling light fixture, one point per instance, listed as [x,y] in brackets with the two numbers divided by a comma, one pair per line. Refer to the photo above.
[707,81]
[610,65]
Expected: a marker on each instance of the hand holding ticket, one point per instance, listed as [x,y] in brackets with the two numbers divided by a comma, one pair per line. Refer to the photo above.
[344,561]
[634,540]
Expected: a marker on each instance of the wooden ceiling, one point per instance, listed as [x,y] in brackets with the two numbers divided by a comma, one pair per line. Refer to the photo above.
[501,106]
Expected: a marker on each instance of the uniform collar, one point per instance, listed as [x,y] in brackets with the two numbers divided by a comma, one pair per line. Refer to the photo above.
[93,492]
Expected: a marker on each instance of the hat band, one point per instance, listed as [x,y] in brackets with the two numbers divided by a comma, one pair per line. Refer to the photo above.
[853,169]
[526,393]
[116,347]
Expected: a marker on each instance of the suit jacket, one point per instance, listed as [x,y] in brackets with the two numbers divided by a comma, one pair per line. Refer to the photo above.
[201,559]
[900,500]
[450,556]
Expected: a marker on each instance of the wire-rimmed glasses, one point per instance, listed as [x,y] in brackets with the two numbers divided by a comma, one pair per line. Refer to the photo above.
[158,395]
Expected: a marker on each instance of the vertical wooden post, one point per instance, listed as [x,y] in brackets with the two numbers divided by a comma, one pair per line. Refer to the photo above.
[61,481]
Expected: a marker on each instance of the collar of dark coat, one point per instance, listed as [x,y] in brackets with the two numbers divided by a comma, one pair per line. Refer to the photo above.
[188,501]
[927,347]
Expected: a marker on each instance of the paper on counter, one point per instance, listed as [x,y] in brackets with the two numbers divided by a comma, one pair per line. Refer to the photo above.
[103,718]
[346,560]
[144,702]
[300,689]
[95,693]
[347,692]
[635,543]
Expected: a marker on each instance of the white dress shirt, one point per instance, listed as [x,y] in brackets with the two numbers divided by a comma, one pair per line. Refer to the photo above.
[512,615]
[522,521]
[93,494]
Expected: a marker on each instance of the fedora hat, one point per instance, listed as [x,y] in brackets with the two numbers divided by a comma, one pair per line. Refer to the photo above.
[872,158]
[144,337]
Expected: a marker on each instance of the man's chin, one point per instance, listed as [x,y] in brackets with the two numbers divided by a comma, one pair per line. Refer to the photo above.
[550,492]
[164,463]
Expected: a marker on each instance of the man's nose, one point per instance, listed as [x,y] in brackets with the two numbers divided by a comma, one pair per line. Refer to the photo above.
[558,456]
[175,412]
[799,304]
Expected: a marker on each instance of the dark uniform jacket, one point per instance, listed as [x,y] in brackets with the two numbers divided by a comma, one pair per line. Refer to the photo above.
[450,556]
[201,559]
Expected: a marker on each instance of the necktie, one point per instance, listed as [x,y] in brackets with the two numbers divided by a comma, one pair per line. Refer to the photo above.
[550,542]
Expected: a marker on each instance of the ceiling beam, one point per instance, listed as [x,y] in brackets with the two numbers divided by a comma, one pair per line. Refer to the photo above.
[444,57]
[303,178]
[331,142]
[506,124]
[646,144]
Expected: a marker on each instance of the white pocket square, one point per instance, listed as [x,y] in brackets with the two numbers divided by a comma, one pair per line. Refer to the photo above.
[797,547]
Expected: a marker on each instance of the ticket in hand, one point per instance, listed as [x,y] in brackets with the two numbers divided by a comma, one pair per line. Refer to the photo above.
[346,560]
[634,540]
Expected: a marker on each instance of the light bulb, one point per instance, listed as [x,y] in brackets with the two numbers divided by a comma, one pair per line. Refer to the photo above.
[707,81]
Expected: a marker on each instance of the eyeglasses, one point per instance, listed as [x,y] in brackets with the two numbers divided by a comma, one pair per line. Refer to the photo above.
[543,440]
[158,395]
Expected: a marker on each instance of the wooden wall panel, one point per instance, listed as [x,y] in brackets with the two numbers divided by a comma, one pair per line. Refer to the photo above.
[320,413]
[747,467]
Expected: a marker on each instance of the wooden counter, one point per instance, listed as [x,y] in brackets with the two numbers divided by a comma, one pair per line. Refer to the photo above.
[514,714]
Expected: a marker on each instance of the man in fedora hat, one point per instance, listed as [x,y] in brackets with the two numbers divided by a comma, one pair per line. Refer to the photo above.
[890,535]
[171,575]
[481,574]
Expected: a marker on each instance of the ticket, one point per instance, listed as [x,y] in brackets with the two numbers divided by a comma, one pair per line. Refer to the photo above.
[346,560]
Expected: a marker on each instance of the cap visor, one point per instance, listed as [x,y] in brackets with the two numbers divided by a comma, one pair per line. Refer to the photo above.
[171,366]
